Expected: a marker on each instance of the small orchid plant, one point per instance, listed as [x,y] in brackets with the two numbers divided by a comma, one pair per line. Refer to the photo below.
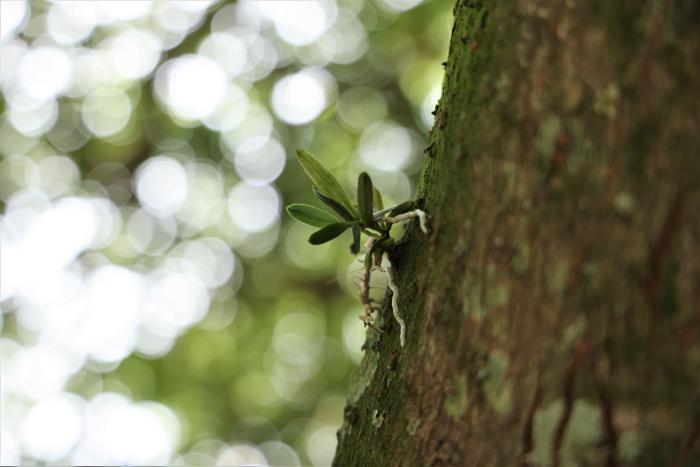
[368,216]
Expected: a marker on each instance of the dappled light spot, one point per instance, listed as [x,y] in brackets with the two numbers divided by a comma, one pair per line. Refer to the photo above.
[108,223]
[259,161]
[301,253]
[171,18]
[226,49]
[360,106]
[205,203]
[161,185]
[320,444]
[58,235]
[118,431]
[106,111]
[231,111]
[428,106]
[253,208]
[301,97]
[34,120]
[257,244]
[71,22]
[133,53]
[397,6]
[349,40]
[12,16]
[353,336]
[382,135]
[299,23]
[11,453]
[257,124]
[52,427]
[110,11]
[174,302]
[33,78]
[35,372]
[12,52]
[115,297]
[240,454]
[58,174]
[190,86]
[279,453]
[210,259]
[91,71]
[152,344]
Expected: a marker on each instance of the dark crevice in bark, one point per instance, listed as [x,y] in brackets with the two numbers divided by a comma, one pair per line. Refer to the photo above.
[528,439]
[569,397]
[658,252]
[610,440]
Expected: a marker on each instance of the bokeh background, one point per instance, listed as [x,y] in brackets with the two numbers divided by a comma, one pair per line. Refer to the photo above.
[158,306]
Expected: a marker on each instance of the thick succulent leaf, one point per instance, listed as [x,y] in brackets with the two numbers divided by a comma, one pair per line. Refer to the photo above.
[328,233]
[377,200]
[324,180]
[335,206]
[355,246]
[365,194]
[403,207]
[310,215]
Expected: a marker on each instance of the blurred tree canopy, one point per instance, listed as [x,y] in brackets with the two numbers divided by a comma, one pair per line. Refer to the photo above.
[157,306]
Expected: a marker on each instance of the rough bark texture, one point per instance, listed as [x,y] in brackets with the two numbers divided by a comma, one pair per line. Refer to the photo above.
[554,310]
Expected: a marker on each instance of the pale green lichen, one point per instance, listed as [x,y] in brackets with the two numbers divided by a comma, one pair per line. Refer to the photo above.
[558,275]
[583,434]
[472,305]
[377,419]
[547,136]
[498,390]
[606,101]
[456,402]
[412,426]
[624,203]
[497,295]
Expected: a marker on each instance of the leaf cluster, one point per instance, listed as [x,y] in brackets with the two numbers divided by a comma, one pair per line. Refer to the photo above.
[366,215]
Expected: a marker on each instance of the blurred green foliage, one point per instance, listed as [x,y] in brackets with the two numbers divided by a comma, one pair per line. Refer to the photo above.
[271,359]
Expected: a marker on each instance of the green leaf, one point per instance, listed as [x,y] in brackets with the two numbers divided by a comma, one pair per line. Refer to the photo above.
[310,215]
[324,180]
[377,200]
[334,205]
[403,207]
[355,246]
[365,193]
[328,233]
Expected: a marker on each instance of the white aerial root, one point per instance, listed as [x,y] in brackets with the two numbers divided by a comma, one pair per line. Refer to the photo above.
[395,300]
[410,215]
[367,316]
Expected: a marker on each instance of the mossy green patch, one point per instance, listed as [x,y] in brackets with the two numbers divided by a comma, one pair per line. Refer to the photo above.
[456,402]
[497,388]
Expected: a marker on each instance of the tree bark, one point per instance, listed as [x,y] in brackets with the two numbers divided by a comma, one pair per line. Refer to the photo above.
[553,311]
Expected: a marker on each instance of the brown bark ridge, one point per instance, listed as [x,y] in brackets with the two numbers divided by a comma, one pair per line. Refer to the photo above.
[554,310]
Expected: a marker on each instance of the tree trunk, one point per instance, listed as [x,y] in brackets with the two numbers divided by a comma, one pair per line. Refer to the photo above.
[553,311]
